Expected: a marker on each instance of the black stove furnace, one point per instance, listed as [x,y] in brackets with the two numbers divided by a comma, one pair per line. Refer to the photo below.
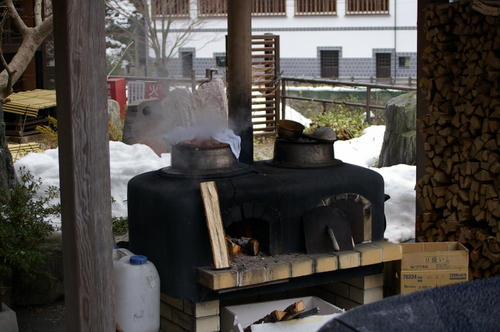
[268,200]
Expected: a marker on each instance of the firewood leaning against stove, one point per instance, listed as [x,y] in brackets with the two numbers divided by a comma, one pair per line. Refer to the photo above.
[290,312]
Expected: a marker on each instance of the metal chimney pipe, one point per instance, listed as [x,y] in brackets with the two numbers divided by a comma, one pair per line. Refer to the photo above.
[239,61]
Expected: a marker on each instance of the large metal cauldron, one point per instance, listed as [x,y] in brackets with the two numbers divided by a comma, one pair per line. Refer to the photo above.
[189,157]
[303,153]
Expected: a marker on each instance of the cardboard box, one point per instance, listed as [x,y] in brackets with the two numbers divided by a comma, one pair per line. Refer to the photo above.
[432,264]
[237,318]
[434,256]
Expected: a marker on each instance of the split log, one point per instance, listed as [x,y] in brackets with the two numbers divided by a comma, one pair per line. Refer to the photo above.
[273,317]
[293,310]
[211,205]
[290,312]
[244,245]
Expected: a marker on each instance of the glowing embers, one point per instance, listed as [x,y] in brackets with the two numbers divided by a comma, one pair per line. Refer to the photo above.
[243,245]
[256,222]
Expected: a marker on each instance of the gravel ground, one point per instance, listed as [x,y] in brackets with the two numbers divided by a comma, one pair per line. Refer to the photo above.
[43,318]
[264,150]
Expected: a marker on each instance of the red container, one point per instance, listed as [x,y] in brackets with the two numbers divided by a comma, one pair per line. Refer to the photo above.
[117,91]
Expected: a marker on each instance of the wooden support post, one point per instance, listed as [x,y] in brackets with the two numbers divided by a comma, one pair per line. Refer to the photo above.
[368,101]
[193,80]
[239,60]
[84,164]
[283,100]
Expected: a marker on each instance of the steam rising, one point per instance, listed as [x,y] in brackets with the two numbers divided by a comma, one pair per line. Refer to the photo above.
[223,135]
[205,116]
[182,114]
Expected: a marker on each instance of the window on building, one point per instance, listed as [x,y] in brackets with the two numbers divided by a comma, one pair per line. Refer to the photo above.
[329,63]
[367,7]
[220,60]
[315,7]
[187,63]
[404,61]
[383,65]
[259,7]
[212,7]
[268,7]
[170,8]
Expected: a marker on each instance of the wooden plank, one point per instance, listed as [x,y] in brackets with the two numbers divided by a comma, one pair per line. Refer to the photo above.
[80,50]
[211,205]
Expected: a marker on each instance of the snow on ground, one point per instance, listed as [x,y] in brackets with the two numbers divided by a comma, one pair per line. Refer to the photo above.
[126,161]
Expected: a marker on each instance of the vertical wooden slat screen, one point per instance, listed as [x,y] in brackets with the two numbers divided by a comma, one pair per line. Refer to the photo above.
[367,7]
[315,7]
[259,7]
[265,84]
[268,7]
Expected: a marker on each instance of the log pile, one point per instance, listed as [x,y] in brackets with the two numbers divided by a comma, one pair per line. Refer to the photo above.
[460,190]
[290,312]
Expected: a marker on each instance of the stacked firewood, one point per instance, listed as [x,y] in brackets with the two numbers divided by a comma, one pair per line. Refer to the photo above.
[294,310]
[460,190]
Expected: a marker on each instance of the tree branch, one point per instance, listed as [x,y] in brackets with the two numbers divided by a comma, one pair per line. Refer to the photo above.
[10,74]
[32,38]
[164,33]
[16,18]
[37,12]
[45,28]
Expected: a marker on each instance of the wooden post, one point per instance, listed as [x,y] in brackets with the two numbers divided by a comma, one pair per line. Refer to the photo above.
[283,100]
[193,80]
[84,164]
[368,102]
[239,61]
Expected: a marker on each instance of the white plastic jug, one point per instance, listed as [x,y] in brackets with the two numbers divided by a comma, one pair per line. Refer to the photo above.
[137,294]
[118,253]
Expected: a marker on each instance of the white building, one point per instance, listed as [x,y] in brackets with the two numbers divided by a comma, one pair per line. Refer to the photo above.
[318,38]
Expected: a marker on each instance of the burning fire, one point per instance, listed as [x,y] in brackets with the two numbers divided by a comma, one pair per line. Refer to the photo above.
[243,245]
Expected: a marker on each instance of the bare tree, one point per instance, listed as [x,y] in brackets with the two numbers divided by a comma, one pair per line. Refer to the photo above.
[168,25]
[32,38]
